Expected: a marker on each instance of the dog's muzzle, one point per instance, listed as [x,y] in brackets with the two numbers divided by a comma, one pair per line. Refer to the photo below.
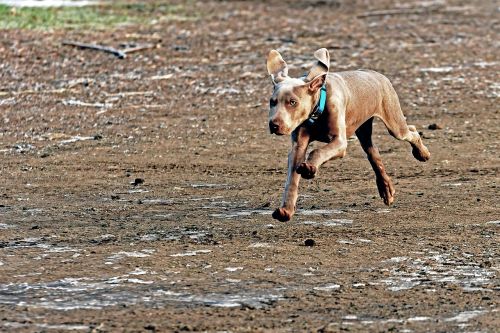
[274,128]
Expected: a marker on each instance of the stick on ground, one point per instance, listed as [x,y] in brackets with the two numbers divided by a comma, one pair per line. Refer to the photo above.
[401,11]
[138,48]
[112,50]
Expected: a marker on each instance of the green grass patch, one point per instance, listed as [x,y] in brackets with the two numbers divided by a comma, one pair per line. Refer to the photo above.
[100,16]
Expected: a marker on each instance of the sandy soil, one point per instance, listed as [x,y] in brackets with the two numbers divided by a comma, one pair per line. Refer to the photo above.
[149,209]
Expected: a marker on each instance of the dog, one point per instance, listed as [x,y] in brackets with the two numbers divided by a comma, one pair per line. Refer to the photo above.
[331,107]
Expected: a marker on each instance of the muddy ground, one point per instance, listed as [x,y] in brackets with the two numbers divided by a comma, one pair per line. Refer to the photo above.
[148,209]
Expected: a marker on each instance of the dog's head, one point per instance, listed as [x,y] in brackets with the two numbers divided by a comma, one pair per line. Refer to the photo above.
[293,99]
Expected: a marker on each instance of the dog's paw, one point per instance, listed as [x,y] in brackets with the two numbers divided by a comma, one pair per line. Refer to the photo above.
[421,153]
[282,215]
[386,190]
[307,171]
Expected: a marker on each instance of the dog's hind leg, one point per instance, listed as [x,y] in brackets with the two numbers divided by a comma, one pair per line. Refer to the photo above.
[384,183]
[395,121]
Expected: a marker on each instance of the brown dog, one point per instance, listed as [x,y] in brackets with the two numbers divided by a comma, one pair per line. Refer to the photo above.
[352,100]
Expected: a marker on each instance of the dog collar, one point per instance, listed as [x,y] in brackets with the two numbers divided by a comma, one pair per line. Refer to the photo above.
[319,108]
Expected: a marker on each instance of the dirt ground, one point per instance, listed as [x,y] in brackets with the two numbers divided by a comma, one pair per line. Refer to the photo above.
[136,194]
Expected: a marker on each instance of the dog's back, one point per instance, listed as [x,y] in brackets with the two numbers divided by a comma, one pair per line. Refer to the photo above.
[363,90]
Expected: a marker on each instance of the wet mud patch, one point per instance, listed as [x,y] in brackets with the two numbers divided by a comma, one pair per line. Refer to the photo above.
[330,223]
[4,226]
[89,293]
[193,234]
[460,321]
[118,256]
[13,325]
[436,269]
[36,249]
[268,211]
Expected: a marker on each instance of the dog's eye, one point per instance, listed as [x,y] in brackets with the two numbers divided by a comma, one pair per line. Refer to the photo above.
[293,102]
[273,103]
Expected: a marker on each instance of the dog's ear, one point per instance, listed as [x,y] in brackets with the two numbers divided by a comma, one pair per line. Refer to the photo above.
[322,66]
[316,82]
[276,66]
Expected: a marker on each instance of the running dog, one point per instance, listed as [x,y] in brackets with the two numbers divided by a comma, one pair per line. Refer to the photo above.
[331,107]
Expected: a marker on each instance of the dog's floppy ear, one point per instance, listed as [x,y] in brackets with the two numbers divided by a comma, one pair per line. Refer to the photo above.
[322,66]
[316,82]
[276,66]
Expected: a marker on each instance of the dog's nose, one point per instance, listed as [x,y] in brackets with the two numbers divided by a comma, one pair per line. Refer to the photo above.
[273,127]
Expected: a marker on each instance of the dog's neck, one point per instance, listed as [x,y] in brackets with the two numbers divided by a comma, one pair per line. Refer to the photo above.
[319,105]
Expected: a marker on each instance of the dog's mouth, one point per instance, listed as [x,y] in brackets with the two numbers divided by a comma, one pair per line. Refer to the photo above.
[277,133]
[275,129]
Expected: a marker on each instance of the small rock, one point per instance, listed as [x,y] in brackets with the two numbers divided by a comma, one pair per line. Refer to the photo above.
[287,40]
[150,327]
[309,242]
[137,181]
[180,47]
[435,126]
[185,328]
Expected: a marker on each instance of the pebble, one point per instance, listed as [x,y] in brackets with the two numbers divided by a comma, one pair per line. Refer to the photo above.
[137,181]
[309,242]
[435,126]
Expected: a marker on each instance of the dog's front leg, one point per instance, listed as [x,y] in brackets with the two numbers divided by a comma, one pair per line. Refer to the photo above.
[334,149]
[300,141]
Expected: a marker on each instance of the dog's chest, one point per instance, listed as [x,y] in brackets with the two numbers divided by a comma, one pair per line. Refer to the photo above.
[321,131]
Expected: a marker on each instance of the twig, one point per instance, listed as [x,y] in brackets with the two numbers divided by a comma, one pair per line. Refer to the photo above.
[143,37]
[131,93]
[112,50]
[405,11]
[34,92]
[73,102]
[147,106]
[162,77]
[138,48]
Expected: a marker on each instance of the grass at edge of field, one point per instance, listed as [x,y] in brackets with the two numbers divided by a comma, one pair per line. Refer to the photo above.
[102,16]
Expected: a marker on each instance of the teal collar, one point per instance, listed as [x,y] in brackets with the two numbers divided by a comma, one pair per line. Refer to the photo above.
[319,108]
